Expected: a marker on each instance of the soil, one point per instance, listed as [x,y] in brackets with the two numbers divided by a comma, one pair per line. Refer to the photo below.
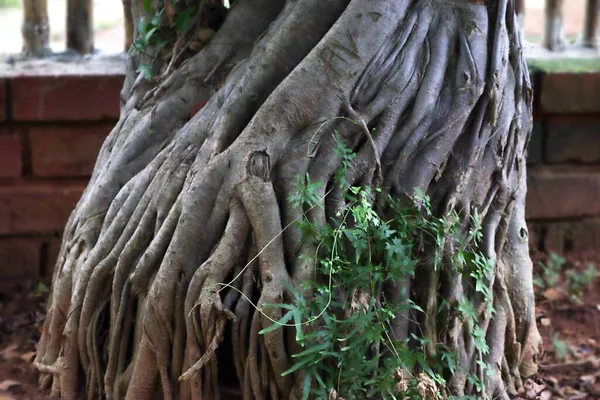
[22,305]
[569,363]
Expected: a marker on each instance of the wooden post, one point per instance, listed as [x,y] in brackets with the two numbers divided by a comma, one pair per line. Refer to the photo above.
[591,30]
[80,26]
[35,28]
[554,39]
[128,24]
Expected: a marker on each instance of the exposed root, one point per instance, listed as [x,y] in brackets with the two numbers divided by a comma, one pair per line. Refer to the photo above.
[185,236]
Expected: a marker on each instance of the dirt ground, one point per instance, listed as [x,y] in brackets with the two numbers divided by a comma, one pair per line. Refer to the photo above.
[569,364]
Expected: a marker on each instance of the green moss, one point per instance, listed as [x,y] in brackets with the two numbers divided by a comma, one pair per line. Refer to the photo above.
[577,65]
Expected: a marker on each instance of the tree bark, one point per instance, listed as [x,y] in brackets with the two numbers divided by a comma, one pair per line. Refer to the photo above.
[432,96]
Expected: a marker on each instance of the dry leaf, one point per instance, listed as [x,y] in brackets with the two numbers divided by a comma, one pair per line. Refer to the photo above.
[553,294]
[426,387]
[6,397]
[9,349]
[28,357]
[545,321]
[545,395]
[10,352]
[587,379]
[334,396]
[8,384]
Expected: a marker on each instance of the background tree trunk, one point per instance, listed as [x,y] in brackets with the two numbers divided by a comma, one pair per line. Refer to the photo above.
[435,97]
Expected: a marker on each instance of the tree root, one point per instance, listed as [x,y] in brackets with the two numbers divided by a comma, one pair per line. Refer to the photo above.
[184,236]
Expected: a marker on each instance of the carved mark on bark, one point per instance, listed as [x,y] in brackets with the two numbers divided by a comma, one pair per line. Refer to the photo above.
[375,16]
[259,165]
[333,55]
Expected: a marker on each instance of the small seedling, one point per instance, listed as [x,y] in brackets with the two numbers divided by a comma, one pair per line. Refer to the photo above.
[560,347]
[550,272]
[577,281]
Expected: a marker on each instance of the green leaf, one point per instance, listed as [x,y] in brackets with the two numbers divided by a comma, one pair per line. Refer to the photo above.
[298,322]
[145,69]
[149,34]
[306,386]
[148,6]
[142,27]
[184,19]
[311,350]
[41,288]
[157,17]
[297,366]
[277,324]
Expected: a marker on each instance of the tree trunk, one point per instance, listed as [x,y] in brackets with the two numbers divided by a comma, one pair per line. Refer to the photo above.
[431,95]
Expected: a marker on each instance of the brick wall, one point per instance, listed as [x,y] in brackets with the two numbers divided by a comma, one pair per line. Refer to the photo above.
[563,203]
[51,128]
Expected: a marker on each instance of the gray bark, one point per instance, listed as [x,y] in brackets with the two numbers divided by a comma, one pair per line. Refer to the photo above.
[179,205]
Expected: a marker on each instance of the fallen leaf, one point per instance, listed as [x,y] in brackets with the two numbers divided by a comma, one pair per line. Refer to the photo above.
[10,352]
[553,294]
[8,384]
[545,395]
[587,379]
[6,397]
[9,348]
[545,321]
[553,380]
[28,357]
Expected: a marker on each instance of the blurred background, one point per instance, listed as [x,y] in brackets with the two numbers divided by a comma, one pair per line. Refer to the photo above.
[109,28]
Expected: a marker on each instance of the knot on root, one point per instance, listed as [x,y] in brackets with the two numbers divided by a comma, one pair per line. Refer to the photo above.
[259,165]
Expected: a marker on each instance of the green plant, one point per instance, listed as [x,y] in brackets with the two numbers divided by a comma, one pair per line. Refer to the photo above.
[577,281]
[341,320]
[549,274]
[560,347]
[10,3]
[158,31]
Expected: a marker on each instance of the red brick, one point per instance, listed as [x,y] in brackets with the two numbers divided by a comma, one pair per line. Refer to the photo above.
[4,219]
[19,257]
[572,139]
[66,97]
[572,236]
[67,151]
[37,208]
[11,163]
[534,149]
[562,194]
[570,93]
[3,101]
